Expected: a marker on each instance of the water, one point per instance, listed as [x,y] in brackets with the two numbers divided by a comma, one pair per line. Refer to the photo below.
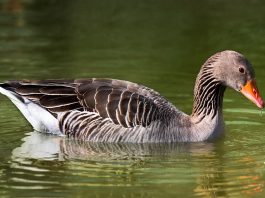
[160,44]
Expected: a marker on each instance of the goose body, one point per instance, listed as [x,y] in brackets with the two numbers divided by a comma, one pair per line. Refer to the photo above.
[109,110]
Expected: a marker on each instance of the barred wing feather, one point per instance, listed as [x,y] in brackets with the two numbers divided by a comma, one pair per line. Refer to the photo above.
[124,103]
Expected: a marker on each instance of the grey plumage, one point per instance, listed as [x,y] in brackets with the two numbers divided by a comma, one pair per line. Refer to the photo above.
[109,110]
[92,104]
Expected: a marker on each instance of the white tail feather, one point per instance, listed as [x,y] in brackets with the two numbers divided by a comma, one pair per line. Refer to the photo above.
[38,117]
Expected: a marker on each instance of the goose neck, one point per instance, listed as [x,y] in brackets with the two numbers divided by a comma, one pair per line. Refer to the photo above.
[208,96]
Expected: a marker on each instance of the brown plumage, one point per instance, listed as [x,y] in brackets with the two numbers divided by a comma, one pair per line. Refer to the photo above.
[125,103]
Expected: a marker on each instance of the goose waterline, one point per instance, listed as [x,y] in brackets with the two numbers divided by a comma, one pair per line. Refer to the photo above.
[109,110]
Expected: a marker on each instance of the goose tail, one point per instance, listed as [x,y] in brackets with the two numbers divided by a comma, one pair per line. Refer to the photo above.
[40,119]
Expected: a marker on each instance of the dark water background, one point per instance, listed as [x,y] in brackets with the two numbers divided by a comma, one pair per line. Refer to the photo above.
[160,44]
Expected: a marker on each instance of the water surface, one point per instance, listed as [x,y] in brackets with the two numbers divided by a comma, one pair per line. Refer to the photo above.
[160,44]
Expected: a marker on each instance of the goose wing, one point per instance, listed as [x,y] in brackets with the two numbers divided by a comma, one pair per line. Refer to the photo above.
[124,103]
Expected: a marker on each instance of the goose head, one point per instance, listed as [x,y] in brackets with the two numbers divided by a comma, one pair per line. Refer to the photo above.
[233,70]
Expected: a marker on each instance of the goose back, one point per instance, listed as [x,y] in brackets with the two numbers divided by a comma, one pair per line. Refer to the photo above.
[122,102]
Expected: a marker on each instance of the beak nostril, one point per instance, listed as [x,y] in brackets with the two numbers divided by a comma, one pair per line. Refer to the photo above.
[255,92]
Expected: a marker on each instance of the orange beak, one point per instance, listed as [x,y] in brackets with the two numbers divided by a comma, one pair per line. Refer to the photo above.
[251,91]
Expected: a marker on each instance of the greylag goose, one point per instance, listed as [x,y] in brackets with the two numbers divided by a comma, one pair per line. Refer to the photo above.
[108,110]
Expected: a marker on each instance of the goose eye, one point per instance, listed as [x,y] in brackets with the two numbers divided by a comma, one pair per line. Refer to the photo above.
[241,70]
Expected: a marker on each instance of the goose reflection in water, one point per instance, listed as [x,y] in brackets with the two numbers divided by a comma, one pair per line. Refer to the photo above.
[49,147]
[199,163]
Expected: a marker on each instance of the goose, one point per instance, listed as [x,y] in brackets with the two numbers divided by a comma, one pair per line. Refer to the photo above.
[110,110]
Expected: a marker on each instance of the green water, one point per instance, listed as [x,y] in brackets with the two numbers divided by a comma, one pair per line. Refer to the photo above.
[160,44]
